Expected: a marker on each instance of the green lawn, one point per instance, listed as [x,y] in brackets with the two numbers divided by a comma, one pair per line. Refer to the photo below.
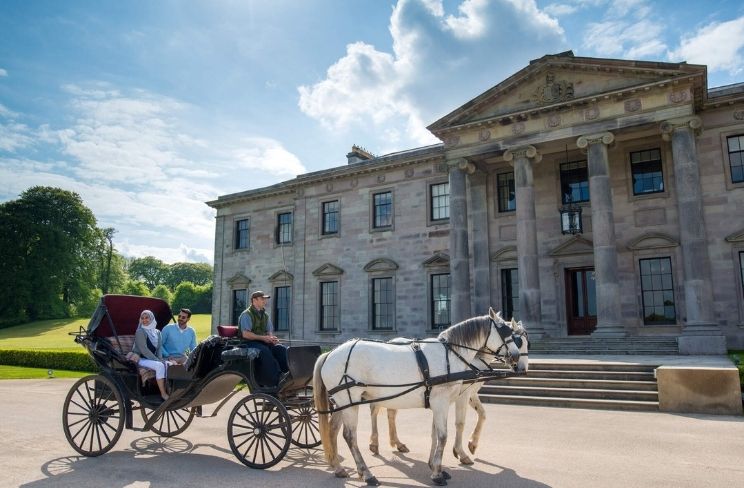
[54,334]
[21,373]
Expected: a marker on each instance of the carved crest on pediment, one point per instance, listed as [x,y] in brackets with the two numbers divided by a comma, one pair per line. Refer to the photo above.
[553,91]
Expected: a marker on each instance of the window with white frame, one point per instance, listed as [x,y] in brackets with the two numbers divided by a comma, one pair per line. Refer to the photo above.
[382,210]
[439,201]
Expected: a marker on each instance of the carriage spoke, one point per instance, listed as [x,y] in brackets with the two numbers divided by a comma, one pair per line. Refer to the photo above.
[258,431]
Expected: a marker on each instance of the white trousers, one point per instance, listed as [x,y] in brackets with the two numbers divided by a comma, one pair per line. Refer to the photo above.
[156,366]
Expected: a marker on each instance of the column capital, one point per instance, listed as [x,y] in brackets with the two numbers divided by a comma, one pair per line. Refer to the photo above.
[669,126]
[522,152]
[462,164]
[605,138]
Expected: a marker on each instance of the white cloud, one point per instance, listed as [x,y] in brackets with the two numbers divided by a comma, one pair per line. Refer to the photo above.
[718,45]
[629,29]
[559,9]
[13,135]
[402,91]
[3,73]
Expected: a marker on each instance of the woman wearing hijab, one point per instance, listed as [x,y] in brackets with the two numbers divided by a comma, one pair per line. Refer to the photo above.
[148,346]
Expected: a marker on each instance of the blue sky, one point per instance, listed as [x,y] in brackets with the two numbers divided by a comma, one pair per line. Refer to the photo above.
[148,109]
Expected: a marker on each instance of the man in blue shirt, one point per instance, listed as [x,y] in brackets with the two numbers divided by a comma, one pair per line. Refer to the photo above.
[256,328]
[179,339]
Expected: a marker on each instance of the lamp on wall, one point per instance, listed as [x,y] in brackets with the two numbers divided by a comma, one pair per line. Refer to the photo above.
[570,213]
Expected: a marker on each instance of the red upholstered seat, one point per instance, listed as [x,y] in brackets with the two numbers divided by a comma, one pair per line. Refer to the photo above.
[227,331]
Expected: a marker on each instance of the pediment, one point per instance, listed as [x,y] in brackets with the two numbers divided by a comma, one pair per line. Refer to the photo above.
[239,279]
[328,270]
[558,81]
[381,264]
[574,246]
[438,259]
[736,237]
[281,276]
[652,240]
[506,253]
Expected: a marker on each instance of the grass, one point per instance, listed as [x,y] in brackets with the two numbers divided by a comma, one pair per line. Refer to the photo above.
[738,357]
[21,373]
[54,334]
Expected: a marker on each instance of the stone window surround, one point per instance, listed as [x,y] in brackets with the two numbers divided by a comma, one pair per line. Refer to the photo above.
[275,300]
[583,158]
[321,202]
[652,289]
[336,280]
[493,189]
[731,131]
[677,282]
[642,145]
[371,314]
[437,264]
[429,183]
[277,212]
[234,233]
[371,193]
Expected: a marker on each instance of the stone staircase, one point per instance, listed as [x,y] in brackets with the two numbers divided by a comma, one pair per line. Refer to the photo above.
[635,345]
[595,385]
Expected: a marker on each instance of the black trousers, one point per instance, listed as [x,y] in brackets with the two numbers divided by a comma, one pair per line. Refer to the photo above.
[271,363]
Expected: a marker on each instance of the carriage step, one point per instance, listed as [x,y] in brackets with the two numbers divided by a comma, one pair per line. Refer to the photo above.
[576,383]
[537,401]
[578,373]
[574,393]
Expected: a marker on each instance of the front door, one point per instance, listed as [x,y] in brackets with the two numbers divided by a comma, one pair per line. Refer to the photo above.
[581,301]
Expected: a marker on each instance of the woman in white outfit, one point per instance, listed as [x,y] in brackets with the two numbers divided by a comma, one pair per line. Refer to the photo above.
[148,346]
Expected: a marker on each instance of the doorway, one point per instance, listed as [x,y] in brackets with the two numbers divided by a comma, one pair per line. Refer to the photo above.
[581,301]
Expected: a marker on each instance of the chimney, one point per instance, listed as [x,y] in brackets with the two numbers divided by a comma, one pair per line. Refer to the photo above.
[358,154]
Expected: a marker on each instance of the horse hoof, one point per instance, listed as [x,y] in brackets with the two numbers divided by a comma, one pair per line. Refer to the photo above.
[374,449]
[341,473]
[402,448]
[439,481]
[446,475]
[466,460]
[372,481]
[472,447]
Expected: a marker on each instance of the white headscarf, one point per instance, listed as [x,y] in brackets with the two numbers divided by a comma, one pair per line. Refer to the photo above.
[151,328]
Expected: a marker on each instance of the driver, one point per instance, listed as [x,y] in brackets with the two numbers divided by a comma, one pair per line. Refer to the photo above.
[256,328]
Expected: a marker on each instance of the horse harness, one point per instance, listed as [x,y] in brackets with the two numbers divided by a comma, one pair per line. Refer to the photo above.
[471,375]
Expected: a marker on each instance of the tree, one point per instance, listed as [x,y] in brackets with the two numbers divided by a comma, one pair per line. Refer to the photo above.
[162,291]
[149,270]
[135,287]
[197,273]
[49,244]
[196,298]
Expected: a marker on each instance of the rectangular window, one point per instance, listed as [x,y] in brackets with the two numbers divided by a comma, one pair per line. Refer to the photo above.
[330,218]
[736,158]
[574,182]
[239,303]
[505,189]
[284,228]
[242,233]
[439,201]
[282,300]
[440,301]
[657,290]
[383,304]
[383,210]
[329,316]
[510,293]
[645,167]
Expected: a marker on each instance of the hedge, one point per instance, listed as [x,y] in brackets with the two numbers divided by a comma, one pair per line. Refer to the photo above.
[48,359]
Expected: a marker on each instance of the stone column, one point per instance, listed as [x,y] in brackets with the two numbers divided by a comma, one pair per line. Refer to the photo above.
[529,272]
[458,241]
[479,241]
[700,334]
[609,316]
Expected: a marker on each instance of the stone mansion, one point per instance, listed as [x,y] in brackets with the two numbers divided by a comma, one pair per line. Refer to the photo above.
[583,196]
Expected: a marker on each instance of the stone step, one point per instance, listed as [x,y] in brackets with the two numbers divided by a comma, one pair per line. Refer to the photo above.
[576,383]
[555,366]
[572,402]
[593,375]
[581,352]
[583,393]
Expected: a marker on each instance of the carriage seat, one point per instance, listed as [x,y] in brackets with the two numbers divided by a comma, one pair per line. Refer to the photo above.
[127,343]
[228,331]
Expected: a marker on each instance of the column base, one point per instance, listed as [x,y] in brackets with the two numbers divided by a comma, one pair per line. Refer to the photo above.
[693,342]
[609,330]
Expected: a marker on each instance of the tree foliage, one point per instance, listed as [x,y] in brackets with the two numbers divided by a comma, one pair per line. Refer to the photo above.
[196,273]
[135,287]
[197,298]
[150,270]
[50,247]
[162,292]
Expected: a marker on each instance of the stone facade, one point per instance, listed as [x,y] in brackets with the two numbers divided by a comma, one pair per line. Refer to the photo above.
[560,109]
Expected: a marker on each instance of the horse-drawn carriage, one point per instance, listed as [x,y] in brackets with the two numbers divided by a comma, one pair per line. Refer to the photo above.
[261,425]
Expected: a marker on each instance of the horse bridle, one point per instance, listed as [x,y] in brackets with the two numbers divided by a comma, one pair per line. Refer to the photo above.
[508,336]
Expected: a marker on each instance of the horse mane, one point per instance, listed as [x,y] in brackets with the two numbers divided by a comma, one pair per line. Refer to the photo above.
[471,332]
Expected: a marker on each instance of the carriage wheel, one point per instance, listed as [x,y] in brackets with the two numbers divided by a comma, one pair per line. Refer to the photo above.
[305,429]
[172,422]
[259,431]
[93,415]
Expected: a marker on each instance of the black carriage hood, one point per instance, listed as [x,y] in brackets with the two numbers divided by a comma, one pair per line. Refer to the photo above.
[119,314]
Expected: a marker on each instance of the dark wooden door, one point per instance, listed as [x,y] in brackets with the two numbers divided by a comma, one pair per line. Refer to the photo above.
[581,301]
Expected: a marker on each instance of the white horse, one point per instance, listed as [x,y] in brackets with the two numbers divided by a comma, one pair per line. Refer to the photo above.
[468,396]
[363,371]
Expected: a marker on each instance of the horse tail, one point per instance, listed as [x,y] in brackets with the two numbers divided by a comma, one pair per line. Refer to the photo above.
[320,395]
